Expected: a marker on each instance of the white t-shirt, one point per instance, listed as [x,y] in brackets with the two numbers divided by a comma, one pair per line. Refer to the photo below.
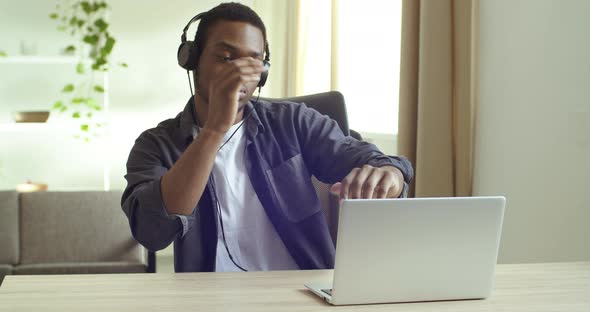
[251,238]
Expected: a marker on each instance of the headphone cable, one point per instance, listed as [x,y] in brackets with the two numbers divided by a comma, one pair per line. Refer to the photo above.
[215,191]
[217,205]
[216,199]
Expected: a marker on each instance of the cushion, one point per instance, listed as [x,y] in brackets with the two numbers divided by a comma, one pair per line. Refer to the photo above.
[9,227]
[80,268]
[72,227]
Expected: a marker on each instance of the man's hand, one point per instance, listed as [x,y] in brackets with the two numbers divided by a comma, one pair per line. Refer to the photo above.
[371,182]
[230,86]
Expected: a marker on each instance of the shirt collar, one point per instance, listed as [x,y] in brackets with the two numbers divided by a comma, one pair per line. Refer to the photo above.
[254,123]
[189,126]
[188,120]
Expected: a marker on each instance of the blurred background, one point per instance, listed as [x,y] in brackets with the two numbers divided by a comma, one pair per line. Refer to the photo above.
[34,68]
[531,141]
[153,87]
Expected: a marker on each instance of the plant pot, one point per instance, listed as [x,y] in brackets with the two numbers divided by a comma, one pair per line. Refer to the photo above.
[38,116]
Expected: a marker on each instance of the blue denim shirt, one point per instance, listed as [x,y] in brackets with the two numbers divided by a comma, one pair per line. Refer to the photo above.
[287,143]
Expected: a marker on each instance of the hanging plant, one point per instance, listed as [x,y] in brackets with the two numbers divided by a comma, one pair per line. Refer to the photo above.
[86,21]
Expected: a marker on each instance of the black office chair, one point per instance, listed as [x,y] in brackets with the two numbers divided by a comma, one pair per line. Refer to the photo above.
[332,105]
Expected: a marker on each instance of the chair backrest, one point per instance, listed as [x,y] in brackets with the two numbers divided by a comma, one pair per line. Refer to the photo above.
[75,227]
[331,104]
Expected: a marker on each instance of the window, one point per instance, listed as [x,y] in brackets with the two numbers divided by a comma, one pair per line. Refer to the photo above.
[369,39]
[352,47]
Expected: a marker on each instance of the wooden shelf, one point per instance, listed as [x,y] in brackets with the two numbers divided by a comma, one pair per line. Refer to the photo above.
[40,60]
[32,126]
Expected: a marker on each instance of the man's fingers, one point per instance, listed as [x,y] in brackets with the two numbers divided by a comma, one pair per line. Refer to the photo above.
[357,185]
[248,70]
[233,82]
[246,60]
[345,186]
[336,187]
[247,65]
[236,74]
[393,184]
[384,186]
[371,183]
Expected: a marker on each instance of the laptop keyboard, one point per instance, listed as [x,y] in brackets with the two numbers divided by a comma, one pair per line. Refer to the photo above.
[328,291]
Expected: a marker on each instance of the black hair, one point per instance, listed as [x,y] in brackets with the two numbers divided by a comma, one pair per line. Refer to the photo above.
[231,11]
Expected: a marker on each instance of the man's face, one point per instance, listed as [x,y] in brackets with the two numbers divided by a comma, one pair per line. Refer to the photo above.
[226,41]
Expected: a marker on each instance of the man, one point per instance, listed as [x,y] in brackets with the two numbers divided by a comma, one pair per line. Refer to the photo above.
[228,179]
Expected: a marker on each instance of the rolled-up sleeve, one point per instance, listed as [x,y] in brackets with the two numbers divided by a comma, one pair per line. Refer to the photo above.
[142,201]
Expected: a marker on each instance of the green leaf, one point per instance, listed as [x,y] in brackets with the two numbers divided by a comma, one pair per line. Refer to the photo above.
[53,16]
[123,64]
[90,39]
[63,109]
[73,21]
[98,63]
[78,100]
[101,25]
[80,23]
[89,115]
[58,104]
[80,68]
[84,127]
[108,46]
[86,7]
[91,103]
[70,49]
[68,88]
[3,54]
[61,28]
[76,115]
[99,89]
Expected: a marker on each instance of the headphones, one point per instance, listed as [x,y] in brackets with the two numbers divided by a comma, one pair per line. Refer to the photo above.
[188,52]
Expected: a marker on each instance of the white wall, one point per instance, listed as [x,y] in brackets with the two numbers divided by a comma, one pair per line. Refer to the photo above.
[533,125]
[152,89]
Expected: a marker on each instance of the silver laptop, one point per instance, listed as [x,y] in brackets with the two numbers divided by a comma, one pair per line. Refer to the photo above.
[415,249]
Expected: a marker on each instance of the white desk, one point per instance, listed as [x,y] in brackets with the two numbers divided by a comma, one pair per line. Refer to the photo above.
[519,287]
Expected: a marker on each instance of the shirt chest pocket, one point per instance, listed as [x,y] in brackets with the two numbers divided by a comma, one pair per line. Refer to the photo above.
[293,191]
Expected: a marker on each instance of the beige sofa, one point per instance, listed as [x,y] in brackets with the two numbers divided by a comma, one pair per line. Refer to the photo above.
[66,233]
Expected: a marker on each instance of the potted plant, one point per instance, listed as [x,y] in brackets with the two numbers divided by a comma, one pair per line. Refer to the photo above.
[87,23]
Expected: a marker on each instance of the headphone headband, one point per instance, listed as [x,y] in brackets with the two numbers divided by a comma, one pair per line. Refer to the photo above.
[194,19]
[188,52]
